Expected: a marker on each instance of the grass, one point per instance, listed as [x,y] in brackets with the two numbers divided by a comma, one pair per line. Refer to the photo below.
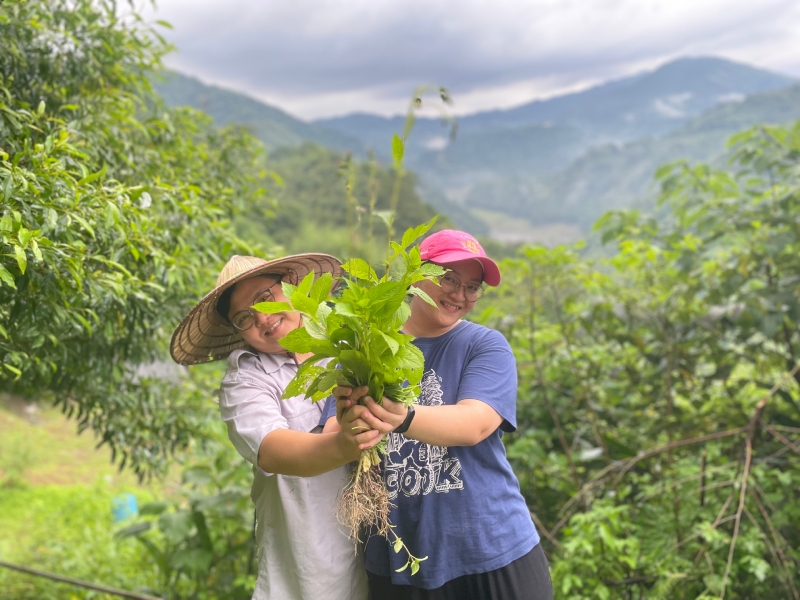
[40,446]
[56,494]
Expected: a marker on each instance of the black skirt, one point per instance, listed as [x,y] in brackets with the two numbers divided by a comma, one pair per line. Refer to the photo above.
[527,578]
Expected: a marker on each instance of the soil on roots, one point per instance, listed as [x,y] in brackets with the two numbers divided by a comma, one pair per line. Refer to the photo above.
[365,504]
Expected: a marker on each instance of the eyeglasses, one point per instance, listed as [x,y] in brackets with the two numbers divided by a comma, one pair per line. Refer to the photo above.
[245,319]
[450,284]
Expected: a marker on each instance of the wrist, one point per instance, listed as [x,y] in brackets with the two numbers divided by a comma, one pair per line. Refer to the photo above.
[406,423]
[347,448]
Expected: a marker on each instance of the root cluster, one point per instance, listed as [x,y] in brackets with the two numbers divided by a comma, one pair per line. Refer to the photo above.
[365,502]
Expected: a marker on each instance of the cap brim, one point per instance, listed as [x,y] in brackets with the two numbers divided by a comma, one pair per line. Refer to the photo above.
[491,272]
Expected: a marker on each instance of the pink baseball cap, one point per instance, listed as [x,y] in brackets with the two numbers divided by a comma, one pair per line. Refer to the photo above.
[449,246]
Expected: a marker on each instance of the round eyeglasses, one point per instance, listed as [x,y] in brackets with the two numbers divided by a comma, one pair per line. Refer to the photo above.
[245,319]
[450,284]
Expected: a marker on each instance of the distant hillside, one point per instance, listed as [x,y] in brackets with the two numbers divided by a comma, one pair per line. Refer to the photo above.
[646,104]
[544,137]
[532,150]
[279,131]
[621,175]
[275,128]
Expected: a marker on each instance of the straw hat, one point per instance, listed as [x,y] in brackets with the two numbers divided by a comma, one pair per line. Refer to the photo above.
[204,336]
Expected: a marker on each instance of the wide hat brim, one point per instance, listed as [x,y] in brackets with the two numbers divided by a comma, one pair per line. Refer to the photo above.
[203,336]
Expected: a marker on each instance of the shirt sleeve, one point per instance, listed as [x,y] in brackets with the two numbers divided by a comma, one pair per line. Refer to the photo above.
[328,411]
[490,376]
[249,404]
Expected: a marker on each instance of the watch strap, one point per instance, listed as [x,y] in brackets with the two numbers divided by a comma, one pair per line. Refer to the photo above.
[403,427]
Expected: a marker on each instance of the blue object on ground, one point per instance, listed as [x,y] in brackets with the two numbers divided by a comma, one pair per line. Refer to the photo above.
[124,507]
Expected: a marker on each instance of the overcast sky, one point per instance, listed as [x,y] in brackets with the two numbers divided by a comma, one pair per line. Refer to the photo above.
[320,58]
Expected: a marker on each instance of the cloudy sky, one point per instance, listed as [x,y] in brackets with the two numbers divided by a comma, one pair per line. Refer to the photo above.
[320,58]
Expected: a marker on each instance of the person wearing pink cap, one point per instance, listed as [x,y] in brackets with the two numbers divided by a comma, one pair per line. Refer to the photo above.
[456,499]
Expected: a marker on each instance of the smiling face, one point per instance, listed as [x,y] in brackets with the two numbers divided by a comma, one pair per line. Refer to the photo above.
[268,329]
[429,321]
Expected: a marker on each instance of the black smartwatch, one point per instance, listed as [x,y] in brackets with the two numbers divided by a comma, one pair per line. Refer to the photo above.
[403,427]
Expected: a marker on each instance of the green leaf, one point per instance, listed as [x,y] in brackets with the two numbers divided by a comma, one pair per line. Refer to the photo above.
[8,188]
[360,269]
[398,149]
[304,378]
[24,235]
[288,290]
[22,260]
[392,344]
[6,277]
[387,216]
[305,305]
[345,309]
[270,308]
[193,560]
[133,530]
[324,384]
[298,340]
[355,363]
[37,253]
[94,176]
[84,223]
[415,291]
[323,312]
[410,236]
[398,545]
[176,526]
[305,286]
[154,508]
[315,330]
[321,288]
[40,108]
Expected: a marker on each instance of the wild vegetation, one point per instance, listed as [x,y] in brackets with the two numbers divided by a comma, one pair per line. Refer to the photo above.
[658,407]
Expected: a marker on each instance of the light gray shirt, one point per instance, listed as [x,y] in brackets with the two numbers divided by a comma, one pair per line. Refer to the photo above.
[304,553]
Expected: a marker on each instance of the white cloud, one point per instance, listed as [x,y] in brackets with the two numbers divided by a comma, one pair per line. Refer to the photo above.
[319,57]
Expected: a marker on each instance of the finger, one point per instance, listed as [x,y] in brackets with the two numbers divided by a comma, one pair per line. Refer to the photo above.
[376,423]
[358,393]
[369,439]
[387,411]
[340,392]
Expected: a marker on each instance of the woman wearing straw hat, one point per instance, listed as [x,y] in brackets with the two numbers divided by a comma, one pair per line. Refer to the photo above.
[303,551]
[455,497]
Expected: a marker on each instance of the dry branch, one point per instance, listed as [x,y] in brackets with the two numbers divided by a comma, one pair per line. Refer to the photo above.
[787,442]
[543,530]
[672,445]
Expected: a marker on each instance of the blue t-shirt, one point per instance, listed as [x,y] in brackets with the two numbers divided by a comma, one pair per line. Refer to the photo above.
[460,506]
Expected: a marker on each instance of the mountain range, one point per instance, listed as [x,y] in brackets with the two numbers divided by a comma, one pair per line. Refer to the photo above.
[559,162]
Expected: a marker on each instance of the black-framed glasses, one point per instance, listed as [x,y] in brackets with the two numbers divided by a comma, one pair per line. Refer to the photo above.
[245,319]
[450,284]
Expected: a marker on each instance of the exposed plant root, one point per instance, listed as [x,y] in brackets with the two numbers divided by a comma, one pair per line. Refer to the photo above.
[365,502]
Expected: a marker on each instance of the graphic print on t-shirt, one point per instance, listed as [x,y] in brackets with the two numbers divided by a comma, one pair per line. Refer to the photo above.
[415,468]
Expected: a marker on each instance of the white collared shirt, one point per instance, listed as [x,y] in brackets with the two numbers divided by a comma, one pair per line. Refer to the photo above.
[304,553]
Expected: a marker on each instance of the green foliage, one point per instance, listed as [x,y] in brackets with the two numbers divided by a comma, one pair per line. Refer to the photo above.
[329,202]
[68,531]
[361,330]
[201,540]
[648,379]
[114,215]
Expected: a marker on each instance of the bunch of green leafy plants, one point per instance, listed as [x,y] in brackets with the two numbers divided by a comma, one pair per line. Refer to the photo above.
[360,331]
